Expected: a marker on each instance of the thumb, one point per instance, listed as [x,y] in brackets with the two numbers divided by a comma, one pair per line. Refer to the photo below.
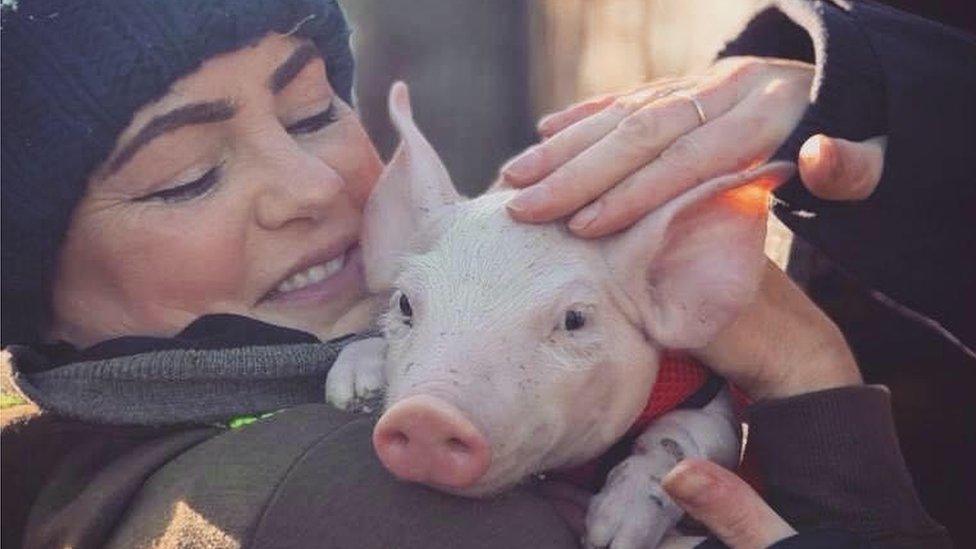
[725,504]
[838,169]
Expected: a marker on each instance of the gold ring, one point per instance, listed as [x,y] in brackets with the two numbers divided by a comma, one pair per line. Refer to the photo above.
[702,119]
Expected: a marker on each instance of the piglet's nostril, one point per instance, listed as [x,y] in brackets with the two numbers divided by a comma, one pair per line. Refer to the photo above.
[399,438]
[458,445]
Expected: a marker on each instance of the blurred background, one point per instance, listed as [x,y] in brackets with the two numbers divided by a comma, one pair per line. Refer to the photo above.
[482,72]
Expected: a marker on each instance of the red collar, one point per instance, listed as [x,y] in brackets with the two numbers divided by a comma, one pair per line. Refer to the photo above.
[679,378]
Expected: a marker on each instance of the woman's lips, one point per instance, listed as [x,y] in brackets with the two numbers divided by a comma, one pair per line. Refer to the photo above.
[322,282]
[312,275]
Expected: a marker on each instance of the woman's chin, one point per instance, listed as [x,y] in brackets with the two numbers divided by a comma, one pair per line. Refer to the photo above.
[352,315]
[357,318]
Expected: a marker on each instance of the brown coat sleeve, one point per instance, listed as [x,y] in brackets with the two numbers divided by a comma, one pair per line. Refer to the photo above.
[67,483]
[308,477]
[831,459]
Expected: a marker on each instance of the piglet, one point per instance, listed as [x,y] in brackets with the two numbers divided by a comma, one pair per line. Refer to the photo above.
[511,349]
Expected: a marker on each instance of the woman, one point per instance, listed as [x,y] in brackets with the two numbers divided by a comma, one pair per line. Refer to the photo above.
[183,186]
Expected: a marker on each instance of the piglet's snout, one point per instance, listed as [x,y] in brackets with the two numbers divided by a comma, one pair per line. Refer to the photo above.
[425,439]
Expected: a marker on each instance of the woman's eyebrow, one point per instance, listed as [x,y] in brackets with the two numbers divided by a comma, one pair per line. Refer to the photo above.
[287,71]
[215,111]
[194,113]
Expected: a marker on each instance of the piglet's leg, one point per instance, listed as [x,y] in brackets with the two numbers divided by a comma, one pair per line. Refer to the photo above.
[356,380]
[633,510]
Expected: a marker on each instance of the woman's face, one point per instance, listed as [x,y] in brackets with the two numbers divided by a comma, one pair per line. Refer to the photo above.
[240,191]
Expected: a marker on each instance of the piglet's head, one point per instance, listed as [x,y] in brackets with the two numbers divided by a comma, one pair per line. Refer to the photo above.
[516,348]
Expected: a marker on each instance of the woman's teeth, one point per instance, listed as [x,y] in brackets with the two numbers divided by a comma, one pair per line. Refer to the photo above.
[315,273]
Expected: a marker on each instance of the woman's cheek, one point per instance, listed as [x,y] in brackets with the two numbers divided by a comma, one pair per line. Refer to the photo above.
[368,167]
[347,149]
[188,264]
[369,171]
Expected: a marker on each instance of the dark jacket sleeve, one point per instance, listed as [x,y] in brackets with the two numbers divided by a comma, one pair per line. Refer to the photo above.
[830,459]
[880,71]
[308,477]
[67,483]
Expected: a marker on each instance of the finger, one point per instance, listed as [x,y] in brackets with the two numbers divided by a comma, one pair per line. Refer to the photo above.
[838,169]
[747,133]
[725,504]
[635,140]
[540,160]
[623,149]
[556,122]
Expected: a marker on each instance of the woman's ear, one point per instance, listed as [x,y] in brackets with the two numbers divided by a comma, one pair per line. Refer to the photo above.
[413,190]
[692,264]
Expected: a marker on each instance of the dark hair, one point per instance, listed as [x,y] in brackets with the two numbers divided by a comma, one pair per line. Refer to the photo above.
[73,73]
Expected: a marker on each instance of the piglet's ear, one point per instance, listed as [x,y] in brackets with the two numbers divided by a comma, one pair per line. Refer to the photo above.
[413,189]
[691,265]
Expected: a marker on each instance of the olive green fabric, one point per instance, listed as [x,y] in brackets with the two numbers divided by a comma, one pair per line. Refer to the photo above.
[308,477]
[98,470]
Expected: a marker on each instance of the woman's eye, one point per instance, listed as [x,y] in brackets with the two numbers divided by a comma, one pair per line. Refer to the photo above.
[313,123]
[186,191]
[574,320]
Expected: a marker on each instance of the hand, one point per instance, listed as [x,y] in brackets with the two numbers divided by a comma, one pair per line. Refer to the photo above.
[731,510]
[781,345]
[837,169]
[628,154]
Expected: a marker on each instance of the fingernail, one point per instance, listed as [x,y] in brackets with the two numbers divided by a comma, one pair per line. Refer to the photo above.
[530,198]
[690,484]
[524,166]
[812,150]
[585,216]
[544,123]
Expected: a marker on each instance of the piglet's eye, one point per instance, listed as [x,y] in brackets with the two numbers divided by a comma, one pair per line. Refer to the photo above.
[574,320]
[405,308]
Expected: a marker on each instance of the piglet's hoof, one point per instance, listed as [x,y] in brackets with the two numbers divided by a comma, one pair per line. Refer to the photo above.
[356,381]
[632,511]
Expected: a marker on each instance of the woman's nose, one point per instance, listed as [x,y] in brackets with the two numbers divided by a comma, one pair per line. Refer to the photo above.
[302,188]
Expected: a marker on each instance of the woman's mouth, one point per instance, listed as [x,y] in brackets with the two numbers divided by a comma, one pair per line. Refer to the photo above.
[321,281]
[312,275]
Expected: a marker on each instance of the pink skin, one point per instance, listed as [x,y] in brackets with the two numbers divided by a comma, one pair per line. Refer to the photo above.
[425,439]
[293,168]
[543,394]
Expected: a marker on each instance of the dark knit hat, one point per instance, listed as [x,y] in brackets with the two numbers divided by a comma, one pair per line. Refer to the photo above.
[73,73]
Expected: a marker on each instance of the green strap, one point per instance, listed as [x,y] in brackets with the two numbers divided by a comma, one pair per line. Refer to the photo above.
[243,421]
